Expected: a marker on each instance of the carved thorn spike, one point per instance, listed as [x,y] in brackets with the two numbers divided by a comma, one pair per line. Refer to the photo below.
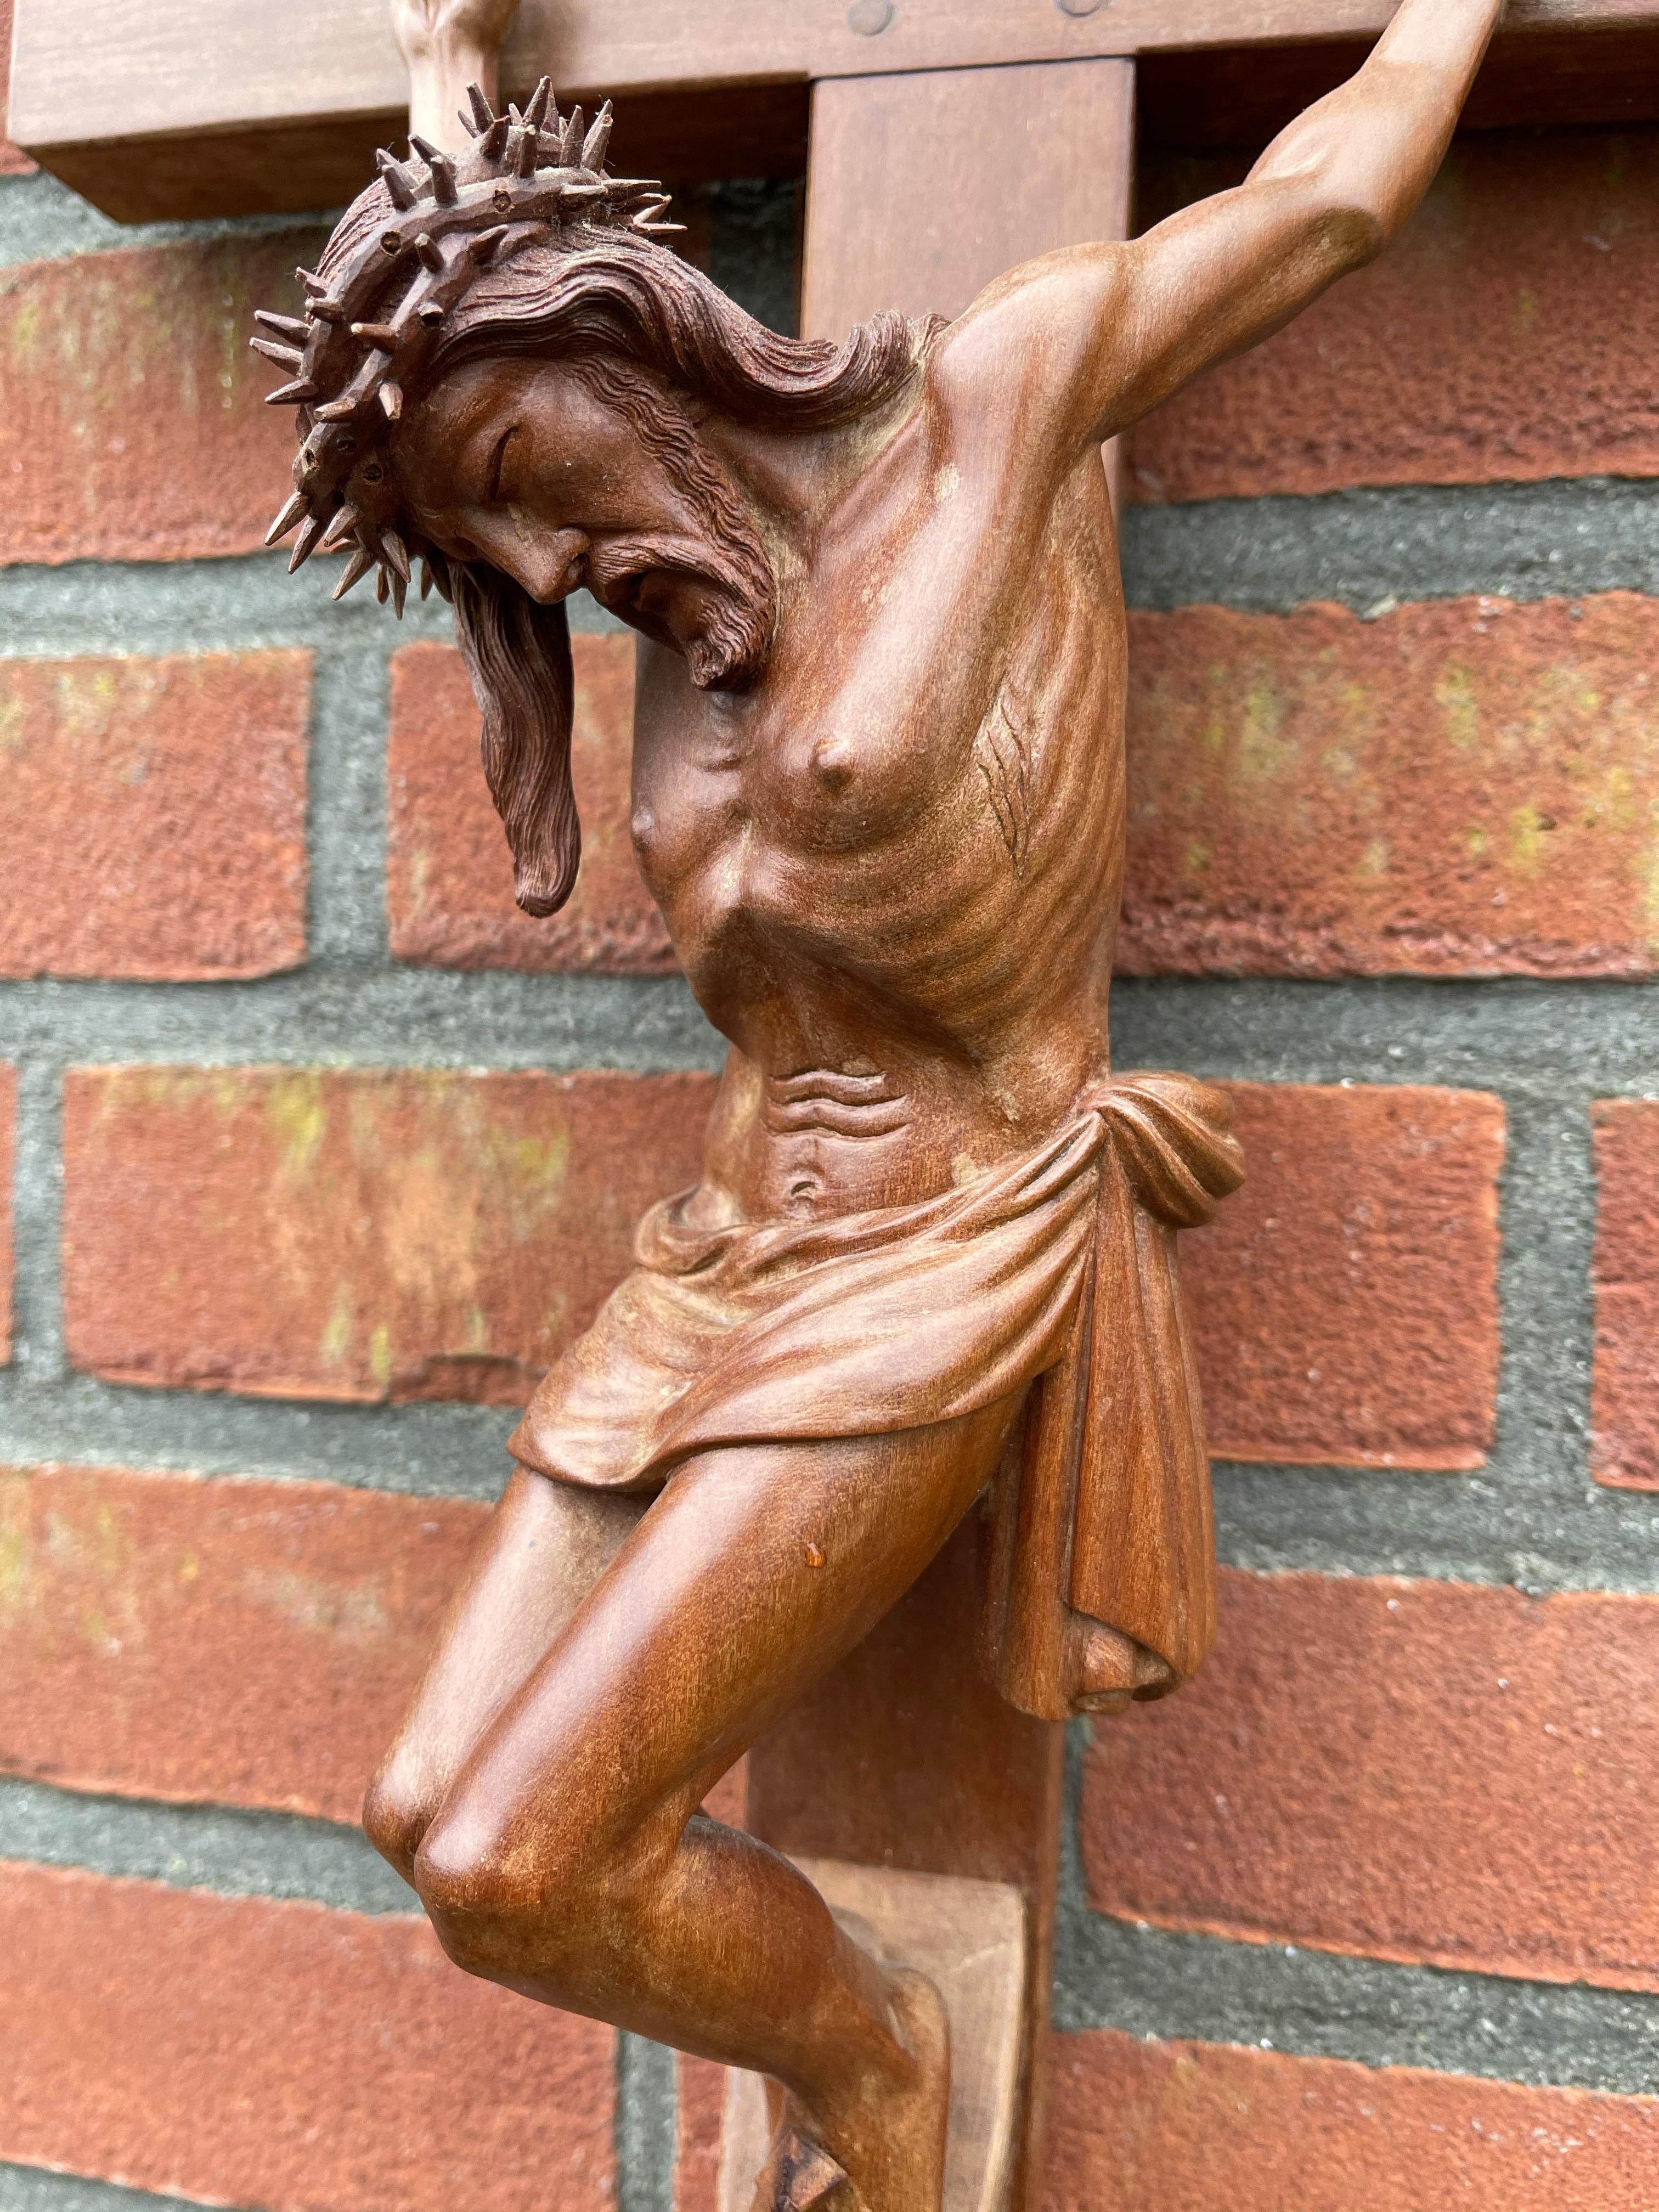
[292,395]
[570,143]
[305,544]
[482,247]
[440,576]
[535,113]
[381,335]
[578,197]
[396,552]
[661,229]
[338,410]
[426,578]
[326,311]
[292,327]
[396,180]
[391,400]
[514,116]
[598,139]
[431,255]
[495,139]
[442,169]
[520,158]
[292,509]
[482,114]
[430,314]
[382,585]
[285,356]
[344,522]
[311,282]
[356,568]
[399,593]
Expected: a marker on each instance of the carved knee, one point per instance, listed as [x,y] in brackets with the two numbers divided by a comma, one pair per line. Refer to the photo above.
[554,1914]
[397,1815]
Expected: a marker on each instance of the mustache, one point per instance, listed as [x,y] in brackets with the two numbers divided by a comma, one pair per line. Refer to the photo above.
[731,650]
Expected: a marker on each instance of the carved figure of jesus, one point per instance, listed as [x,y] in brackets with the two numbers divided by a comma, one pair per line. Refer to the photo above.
[878,794]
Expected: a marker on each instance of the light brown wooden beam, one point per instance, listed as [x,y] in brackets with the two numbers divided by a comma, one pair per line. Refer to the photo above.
[197,106]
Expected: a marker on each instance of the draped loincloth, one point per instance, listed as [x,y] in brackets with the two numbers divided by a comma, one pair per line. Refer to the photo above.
[1054,1269]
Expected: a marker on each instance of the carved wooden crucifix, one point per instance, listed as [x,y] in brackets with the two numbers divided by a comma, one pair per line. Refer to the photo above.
[905,1374]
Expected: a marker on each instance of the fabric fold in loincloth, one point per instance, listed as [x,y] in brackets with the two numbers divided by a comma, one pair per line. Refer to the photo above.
[1055,1268]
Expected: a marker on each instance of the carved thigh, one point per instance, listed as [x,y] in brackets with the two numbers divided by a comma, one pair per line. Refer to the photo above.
[752,1572]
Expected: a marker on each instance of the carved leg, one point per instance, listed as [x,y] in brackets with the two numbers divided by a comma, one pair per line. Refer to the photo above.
[546,1546]
[569,1861]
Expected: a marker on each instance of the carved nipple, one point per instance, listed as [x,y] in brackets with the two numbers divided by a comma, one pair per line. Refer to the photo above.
[832,762]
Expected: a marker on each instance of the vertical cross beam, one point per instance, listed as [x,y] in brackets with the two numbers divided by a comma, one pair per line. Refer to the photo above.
[920,189]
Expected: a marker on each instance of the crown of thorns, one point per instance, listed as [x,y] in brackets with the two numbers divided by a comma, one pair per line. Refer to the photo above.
[524,175]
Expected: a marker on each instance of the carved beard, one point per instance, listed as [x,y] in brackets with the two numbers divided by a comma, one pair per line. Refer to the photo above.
[730,562]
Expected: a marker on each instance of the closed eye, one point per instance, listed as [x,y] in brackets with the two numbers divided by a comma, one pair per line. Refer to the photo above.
[493,487]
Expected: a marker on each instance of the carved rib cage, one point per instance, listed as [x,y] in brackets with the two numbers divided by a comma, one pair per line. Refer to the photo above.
[351,357]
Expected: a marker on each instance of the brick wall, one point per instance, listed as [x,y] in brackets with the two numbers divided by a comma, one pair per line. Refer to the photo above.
[312,1151]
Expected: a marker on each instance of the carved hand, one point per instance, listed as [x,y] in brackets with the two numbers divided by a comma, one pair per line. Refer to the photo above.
[448,45]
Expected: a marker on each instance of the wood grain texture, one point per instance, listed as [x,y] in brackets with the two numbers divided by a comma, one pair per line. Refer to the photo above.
[1064,139]
[113,99]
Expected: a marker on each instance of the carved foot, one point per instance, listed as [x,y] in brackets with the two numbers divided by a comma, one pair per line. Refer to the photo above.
[893,2149]
[801,2177]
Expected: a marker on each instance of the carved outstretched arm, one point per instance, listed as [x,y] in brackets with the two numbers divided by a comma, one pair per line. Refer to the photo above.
[448,45]
[1108,332]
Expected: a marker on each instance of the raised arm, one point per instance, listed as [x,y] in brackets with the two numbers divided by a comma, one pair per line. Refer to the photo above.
[1324,199]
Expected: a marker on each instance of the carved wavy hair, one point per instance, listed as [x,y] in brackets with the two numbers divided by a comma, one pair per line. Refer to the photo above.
[605,296]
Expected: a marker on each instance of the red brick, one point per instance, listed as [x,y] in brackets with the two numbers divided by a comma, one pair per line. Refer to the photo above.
[1169,2127]
[240,2051]
[1451,789]
[449,879]
[1345,1303]
[1625,1406]
[14,162]
[352,1233]
[1508,334]
[702,2086]
[155,822]
[7,1151]
[1417,1771]
[135,427]
[243,1642]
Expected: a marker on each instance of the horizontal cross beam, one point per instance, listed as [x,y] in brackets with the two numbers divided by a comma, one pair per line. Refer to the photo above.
[185,107]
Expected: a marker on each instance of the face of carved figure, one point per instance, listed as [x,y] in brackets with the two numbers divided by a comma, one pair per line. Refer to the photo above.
[527,466]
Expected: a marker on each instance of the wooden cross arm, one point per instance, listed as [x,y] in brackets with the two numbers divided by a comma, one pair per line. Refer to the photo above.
[207,106]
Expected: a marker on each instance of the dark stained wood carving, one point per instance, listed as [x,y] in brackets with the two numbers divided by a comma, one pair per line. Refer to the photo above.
[878,794]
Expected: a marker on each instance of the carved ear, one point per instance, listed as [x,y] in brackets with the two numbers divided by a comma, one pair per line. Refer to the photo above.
[518,654]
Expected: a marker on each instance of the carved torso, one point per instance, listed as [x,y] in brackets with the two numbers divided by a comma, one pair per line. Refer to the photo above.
[891,871]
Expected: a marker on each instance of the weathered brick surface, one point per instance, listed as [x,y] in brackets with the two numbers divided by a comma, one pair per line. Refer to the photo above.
[1449,789]
[135,427]
[449,879]
[372,1235]
[240,2051]
[247,1643]
[697,2134]
[1420,1771]
[355,1234]
[14,162]
[1625,1417]
[1170,2127]
[1345,1303]
[1508,333]
[154,819]
[8,1155]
